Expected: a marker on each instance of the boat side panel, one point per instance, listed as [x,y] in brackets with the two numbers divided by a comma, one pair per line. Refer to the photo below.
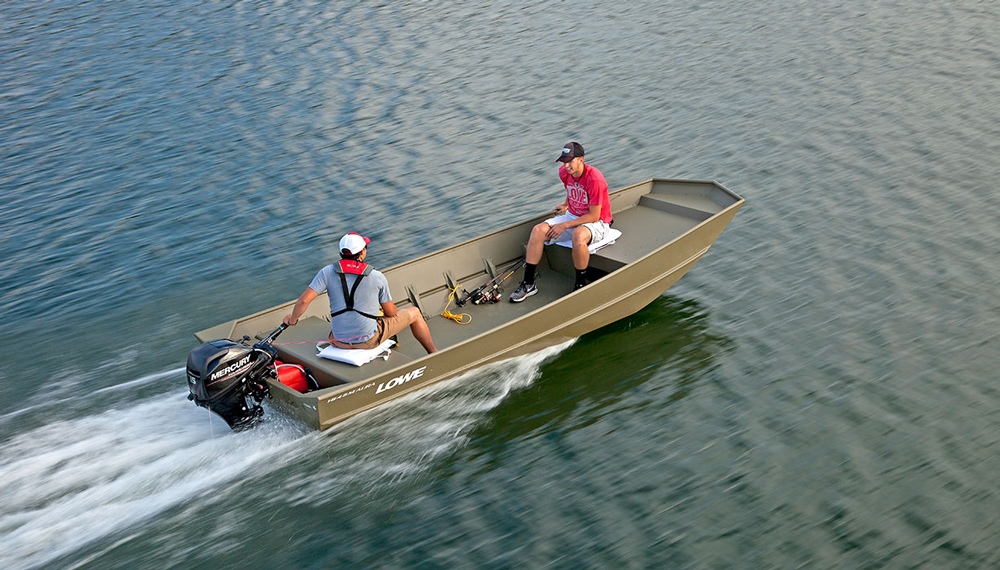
[609,299]
[530,334]
[303,407]
[464,262]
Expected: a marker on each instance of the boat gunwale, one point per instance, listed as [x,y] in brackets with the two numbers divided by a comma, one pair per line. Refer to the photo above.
[622,190]
[313,400]
[500,356]
[651,181]
[325,394]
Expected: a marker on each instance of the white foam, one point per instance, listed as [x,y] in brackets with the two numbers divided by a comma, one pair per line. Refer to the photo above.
[402,437]
[72,482]
[148,379]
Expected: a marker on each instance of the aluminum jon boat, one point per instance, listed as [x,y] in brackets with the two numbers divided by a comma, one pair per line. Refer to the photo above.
[666,227]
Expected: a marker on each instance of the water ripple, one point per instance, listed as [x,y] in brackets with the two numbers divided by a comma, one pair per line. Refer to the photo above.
[816,392]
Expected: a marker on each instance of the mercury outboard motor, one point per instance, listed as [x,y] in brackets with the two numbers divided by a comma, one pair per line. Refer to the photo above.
[230,378]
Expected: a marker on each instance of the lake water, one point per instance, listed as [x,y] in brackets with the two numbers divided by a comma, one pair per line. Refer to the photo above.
[820,391]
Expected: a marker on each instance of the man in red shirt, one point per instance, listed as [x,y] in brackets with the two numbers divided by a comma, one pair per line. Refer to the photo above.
[586,213]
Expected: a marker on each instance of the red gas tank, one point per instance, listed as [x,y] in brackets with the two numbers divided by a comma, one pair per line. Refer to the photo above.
[292,375]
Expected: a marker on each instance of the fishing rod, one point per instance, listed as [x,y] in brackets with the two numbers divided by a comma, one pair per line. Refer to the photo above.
[490,291]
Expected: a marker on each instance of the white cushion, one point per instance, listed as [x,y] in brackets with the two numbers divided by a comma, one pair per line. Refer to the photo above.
[566,240]
[355,356]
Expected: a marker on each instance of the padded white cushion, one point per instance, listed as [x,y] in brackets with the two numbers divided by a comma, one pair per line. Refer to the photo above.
[355,356]
[566,240]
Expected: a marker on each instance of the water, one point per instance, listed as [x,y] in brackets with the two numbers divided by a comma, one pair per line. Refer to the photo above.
[817,392]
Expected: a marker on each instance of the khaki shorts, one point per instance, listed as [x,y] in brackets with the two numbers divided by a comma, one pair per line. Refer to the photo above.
[386,327]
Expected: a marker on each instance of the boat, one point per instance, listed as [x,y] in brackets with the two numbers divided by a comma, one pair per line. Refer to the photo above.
[666,226]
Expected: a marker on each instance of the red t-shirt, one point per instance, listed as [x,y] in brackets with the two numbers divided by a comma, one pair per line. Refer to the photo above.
[590,190]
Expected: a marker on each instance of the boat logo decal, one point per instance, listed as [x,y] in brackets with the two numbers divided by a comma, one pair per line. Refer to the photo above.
[352,392]
[398,380]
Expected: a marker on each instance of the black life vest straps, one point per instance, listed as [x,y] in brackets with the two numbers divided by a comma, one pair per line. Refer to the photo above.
[362,270]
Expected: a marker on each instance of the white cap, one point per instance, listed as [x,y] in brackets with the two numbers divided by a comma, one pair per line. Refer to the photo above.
[353,243]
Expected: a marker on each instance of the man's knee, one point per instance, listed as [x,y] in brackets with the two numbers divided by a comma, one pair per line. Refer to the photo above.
[540,230]
[581,237]
[409,314]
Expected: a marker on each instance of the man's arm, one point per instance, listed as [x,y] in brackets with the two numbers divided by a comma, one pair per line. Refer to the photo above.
[590,217]
[388,309]
[301,305]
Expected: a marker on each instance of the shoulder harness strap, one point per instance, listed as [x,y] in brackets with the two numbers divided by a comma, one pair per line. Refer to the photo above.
[362,270]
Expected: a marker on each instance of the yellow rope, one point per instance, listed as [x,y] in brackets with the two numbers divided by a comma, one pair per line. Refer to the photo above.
[459,318]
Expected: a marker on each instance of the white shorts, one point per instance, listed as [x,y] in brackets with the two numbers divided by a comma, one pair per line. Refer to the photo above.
[598,230]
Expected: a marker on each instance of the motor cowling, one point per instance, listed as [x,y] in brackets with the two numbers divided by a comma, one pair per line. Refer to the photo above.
[230,379]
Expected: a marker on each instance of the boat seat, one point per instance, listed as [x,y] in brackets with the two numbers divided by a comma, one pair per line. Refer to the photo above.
[560,258]
[297,345]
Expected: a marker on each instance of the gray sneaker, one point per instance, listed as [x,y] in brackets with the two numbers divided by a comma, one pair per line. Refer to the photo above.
[522,292]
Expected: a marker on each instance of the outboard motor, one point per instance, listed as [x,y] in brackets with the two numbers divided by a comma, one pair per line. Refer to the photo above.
[230,378]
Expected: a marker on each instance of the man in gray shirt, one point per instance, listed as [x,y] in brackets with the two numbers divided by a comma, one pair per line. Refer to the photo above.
[357,292]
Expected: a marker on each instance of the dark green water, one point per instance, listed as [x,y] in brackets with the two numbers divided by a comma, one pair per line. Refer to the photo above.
[820,391]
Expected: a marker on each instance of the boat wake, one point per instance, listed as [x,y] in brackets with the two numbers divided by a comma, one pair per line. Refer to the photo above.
[73,481]
[404,437]
[89,481]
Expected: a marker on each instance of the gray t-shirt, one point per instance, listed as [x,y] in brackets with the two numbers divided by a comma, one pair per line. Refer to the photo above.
[351,327]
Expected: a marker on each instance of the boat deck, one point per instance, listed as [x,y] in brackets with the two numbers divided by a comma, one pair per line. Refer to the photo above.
[667,226]
[661,224]
[662,217]
[446,333]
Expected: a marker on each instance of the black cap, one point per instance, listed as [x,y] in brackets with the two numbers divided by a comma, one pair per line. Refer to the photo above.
[570,151]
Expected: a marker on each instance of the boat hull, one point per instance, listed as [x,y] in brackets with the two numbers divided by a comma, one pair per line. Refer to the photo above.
[649,260]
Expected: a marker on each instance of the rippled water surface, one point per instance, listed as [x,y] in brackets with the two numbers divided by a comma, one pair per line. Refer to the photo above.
[819,391]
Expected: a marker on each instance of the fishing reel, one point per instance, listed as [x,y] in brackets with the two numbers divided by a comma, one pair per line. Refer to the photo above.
[492,290]
[491,296]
